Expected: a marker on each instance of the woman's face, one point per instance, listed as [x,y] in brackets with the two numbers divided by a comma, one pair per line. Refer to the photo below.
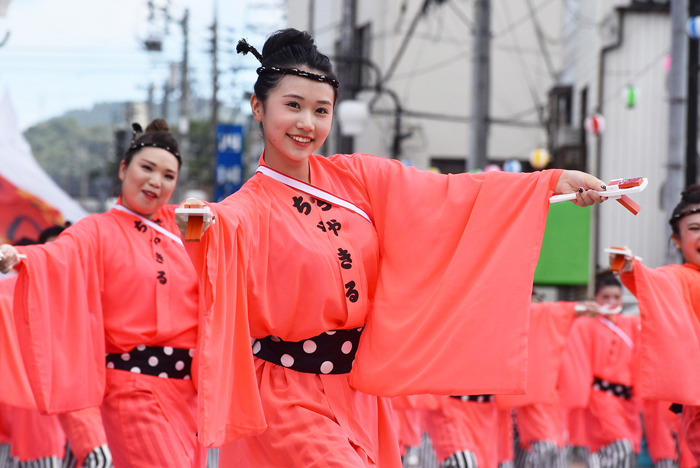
[609,295]
[296,118]
[688,239]
[148,181]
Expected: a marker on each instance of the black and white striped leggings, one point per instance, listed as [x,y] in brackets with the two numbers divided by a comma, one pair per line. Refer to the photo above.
[619,454]
[542,454]
[460,460]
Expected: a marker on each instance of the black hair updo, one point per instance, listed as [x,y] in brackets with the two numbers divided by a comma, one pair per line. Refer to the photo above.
[689,198]
[289,48]
[157,134]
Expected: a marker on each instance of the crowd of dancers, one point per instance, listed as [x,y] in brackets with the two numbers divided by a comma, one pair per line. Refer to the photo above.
[339,311]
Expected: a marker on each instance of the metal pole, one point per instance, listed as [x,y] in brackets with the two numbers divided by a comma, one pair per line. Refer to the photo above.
[691,154]
[677,89]
[215,78]
[345,68]
[184,123]
[312,6]
[151,104]
[478,141]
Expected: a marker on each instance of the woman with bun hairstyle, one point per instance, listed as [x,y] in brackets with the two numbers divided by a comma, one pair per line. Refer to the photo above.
[669,305]
[328,283]
[118,284]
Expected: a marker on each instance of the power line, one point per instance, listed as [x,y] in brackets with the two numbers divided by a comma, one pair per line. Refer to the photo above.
[405,41]
[523,66]
[541,40]
[522,20]
[434,67]
[460,14]
[640,74]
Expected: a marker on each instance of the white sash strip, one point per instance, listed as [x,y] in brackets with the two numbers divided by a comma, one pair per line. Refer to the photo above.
[150,223]
[312,191]
[618,331]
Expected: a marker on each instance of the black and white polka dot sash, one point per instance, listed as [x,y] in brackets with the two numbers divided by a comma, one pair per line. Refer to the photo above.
[331,352]
[160,361]
[475,398]
[619,390]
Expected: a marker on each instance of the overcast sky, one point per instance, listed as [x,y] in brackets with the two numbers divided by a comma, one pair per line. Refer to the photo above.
[65,55]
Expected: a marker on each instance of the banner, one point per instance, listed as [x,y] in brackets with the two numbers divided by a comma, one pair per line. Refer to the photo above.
[229,160]
[30,201]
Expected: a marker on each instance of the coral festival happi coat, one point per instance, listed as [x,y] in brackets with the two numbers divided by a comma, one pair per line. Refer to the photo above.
[16,390]
[108,284]
[445,262]
[595,350]
[550,323]
[669,306]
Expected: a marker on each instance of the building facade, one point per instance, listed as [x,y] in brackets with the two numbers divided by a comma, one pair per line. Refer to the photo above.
[610,48]
[553,63]
[422,51]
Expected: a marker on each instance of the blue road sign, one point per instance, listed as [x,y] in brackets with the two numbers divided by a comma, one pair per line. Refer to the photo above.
[229,160]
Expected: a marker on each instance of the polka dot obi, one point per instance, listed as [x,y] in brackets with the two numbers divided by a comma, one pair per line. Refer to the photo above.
[159,361]
[475,398]
[619,390]
[331,352]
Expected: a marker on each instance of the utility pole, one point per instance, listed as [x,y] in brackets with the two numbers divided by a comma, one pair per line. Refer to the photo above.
[168,88]
[150,103]
[481,82]
[345,68]
[312,6]
[215,77]
[691,155]
[677,90]
[184,121]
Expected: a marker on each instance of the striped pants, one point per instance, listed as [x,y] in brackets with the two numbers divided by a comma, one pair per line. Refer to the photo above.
[460,460]
[48,462]
[5,455]
[421,456]
[619,454]
[151,422]
[542,454]
[100,457]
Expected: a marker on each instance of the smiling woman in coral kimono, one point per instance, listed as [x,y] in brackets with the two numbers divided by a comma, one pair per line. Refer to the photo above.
[118,284]
[669,306]
[353,277]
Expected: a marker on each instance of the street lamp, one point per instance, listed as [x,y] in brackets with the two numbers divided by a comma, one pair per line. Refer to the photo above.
[352,115]
[399,135]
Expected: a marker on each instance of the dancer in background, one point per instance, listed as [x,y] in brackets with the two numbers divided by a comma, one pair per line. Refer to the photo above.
[598,371]
[120,284]
[539,418]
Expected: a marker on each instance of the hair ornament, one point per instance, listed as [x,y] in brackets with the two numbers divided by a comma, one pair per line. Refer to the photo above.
[138,146]
[678,216]
[243,48]
[302,73]
[137,129]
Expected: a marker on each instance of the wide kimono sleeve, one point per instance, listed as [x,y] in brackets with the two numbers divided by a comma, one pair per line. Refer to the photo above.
[58,315]
[550,323]
[458,256]
[229,400]
[15,385]
[669,366]
[576,373]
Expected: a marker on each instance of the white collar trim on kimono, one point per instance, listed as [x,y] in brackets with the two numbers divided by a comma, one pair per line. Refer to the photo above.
[150,223]
[312,191]
[618,331]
